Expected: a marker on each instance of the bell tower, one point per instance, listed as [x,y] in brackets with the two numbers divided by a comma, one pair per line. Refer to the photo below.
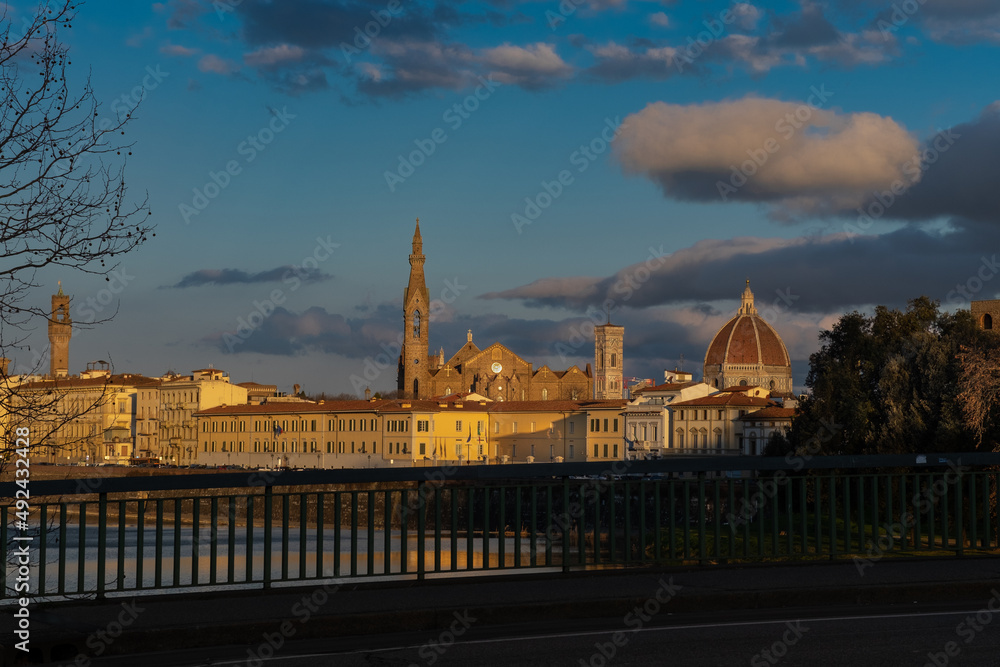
[608,362]
[60,330]
[416,321]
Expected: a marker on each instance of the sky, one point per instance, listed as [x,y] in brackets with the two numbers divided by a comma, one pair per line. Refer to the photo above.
[565,159]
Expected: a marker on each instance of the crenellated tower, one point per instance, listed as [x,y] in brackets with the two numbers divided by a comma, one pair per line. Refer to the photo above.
[416,320]
[60,330]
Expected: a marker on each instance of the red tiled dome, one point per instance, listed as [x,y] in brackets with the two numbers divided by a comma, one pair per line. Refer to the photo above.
[747,339]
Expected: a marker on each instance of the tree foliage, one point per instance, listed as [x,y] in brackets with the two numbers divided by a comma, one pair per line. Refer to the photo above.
[890,382]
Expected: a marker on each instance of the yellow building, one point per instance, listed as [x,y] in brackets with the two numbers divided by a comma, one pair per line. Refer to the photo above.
[89,418]
[456,430]
[180,397]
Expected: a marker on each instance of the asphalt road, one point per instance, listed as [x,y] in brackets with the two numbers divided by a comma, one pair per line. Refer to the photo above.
[959,633]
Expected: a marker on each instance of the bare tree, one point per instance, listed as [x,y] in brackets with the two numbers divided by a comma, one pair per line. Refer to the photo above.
[63,195]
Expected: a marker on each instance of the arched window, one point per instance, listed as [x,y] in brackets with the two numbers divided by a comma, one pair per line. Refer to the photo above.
[447,391]
[416,324]
[743,383]
[715,383]
[545,394]
[987,321]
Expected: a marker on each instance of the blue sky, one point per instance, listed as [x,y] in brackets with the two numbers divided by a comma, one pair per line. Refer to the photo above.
[491,103]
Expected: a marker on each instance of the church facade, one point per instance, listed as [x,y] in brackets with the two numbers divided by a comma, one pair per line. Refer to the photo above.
[495,371]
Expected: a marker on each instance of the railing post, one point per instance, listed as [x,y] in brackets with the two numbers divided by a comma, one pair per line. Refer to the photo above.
[268,506]
[102,541]
[421,527]
[567,523]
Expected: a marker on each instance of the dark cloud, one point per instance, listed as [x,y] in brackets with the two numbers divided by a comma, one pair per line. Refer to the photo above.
[958,175]
[846,270]
[238,276]
[808,27]
[317,24]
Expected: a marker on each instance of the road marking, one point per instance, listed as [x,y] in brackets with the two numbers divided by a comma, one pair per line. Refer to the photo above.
[593,633]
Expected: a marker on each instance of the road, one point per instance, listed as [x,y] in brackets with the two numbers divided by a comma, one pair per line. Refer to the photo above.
[916,635]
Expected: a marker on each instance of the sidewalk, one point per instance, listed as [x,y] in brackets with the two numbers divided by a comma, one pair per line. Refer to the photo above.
[62,631]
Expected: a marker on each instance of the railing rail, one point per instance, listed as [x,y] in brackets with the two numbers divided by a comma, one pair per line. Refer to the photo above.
[258,529]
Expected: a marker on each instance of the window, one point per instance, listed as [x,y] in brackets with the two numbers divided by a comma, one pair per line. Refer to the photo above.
[615,426]
[545,394]
[720,414]
[704,415]
[680,440]
[682,414]
[605,450]
[616,450]
[532,430]
[423,426]
[718,440]
[571,451]
[605,425]
[362,424]
[571,427]
[595,451]
[416,324]
[458,425]
[513,427]
[496,427]
[423,447]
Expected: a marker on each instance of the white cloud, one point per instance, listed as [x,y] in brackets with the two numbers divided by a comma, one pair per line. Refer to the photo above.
[807,158]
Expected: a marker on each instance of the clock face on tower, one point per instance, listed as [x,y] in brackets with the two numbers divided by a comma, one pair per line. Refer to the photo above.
[496,367]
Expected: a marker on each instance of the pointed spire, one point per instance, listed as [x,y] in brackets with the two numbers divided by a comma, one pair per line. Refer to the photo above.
[418,242]
[60,292]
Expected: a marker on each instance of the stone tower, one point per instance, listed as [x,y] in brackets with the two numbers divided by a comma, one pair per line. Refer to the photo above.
[416,320]
[60,330]
[608,362]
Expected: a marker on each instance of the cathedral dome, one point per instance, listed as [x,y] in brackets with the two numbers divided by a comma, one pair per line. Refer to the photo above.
[748,351]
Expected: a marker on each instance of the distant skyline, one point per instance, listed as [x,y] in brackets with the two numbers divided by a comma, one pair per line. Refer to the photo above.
[563,158]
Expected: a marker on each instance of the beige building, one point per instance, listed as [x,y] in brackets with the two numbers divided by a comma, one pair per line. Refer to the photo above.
[747,351]
[711,424]
[180,397]
[649,418]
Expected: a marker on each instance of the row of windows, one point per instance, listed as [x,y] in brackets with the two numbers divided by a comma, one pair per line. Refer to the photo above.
[599,448]
[595,425]
[295,425]
[694,440]
[704,414]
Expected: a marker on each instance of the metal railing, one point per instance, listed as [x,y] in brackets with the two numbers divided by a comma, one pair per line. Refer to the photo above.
[260,528]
